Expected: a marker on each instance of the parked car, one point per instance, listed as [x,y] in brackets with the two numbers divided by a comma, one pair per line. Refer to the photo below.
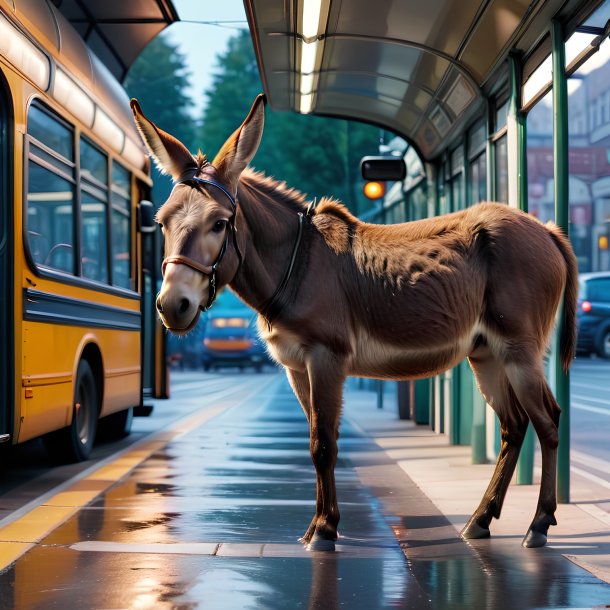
[593,314]
[231,337]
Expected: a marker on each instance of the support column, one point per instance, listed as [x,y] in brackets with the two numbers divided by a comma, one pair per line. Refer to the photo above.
[560,154]
[517,151]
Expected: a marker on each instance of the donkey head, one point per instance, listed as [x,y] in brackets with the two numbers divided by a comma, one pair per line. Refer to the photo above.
[198,219]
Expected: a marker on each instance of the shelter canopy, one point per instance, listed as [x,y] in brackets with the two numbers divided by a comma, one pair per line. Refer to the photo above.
[420,68]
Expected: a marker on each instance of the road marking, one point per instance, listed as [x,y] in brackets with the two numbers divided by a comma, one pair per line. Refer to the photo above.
[590,461]
[231,549]
[580,407]
[24,528]
[595,511]
[591,477]
[592,399]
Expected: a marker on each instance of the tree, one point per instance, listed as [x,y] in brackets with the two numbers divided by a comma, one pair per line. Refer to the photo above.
[159,79]
[317,155]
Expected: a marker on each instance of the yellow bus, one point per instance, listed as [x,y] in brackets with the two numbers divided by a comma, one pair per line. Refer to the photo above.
[79,344]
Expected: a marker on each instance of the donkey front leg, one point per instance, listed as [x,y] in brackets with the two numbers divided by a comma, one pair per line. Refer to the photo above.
[326,377]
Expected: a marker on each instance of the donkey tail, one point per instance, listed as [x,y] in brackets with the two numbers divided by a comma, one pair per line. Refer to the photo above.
[567,339]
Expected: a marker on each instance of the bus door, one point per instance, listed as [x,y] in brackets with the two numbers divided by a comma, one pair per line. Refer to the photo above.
[6,267]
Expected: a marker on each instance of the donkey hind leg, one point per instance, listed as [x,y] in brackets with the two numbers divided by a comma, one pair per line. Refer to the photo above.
[326,382]
[496,390]
[534,394]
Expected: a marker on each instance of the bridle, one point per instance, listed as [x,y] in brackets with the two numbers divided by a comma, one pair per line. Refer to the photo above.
[208,270]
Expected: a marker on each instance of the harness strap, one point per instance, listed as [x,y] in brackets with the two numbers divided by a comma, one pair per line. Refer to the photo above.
[282,285]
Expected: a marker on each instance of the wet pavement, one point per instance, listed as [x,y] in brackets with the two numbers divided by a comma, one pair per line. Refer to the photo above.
[210,518]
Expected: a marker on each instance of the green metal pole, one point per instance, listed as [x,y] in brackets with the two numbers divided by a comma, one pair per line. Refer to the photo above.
[516,120]
[560,153]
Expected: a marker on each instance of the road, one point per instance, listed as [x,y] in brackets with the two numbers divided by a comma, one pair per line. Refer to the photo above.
[202,506]
[590,423]
[29,474]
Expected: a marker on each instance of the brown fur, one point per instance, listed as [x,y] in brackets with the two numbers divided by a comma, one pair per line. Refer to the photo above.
[390,301]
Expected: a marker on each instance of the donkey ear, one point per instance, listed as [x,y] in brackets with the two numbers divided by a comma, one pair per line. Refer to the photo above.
[170,155]
[242,145]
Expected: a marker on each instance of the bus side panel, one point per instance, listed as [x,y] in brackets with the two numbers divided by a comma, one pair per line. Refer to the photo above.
[47,387]
[122,371]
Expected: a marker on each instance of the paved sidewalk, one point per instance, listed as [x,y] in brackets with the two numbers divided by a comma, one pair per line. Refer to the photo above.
[455,486]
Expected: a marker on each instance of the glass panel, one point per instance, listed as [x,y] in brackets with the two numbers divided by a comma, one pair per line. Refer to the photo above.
[600,17]
[50,219]
[539,80]
[478,179]
[501,170]
[476,140]
[442,199]
[121,247]
[456,193]
[457,160]
[576,44]
[501,114]
[121,187]
[540,166]
[121,227]
[93,163]
[418,203]
[51,132]
[46,157]
[94,238]
[589,142]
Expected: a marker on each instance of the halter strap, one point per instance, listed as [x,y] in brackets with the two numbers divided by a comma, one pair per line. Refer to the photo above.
[208,270]
[189,262]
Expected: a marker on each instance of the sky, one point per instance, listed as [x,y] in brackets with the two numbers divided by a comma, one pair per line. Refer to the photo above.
[201,43]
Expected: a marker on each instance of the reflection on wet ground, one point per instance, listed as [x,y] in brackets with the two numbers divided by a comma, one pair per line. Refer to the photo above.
[213,520]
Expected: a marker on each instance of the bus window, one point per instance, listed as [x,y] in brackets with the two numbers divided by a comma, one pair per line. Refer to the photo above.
[121,227]
[50,198]
[50,132]
[50,219]
[94,211]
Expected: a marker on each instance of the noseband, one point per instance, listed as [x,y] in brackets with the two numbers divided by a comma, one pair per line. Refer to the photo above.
[208,270]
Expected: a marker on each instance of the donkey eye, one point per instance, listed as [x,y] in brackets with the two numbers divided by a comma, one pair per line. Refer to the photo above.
[219,225]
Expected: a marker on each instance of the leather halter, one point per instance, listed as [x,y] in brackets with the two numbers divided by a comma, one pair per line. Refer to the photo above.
[208,270]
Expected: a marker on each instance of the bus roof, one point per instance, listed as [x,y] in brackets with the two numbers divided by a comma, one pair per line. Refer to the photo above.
[419,68]
[118,31]
[86,75]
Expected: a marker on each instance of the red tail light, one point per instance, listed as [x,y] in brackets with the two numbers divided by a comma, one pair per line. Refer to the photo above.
[586,306]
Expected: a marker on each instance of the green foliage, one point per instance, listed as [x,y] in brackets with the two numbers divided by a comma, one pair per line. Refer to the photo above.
[317,155]
[159,79]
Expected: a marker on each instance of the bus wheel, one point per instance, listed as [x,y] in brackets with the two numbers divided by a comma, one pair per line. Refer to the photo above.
[115,426]
[75,442]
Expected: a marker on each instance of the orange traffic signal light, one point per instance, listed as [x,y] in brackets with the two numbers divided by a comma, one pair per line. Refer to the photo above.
[374,190]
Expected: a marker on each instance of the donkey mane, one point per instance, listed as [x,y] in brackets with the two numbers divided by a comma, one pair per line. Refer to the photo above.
[256,183]
[202,161]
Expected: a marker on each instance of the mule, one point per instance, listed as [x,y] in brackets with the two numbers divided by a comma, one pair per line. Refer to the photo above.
[338,297]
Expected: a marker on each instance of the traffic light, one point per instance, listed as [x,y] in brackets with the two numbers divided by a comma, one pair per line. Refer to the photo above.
[374,190]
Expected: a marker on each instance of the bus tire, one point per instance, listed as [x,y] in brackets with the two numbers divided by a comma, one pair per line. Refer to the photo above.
[75,442]
[115,426]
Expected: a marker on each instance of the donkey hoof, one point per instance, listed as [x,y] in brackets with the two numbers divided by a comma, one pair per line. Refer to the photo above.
[473,531]
[320,544]
[534,539]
